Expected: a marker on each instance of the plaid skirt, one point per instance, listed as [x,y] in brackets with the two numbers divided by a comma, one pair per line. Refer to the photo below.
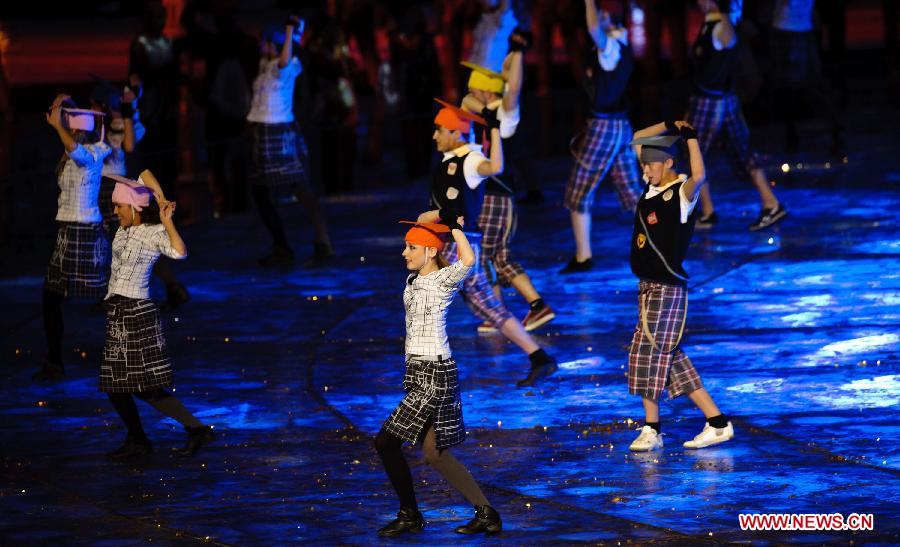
[476,290]
[498,224]
[715,117]
[604,148]
[657,363]
[278,155]
[135,357]
[79,266]
[432,394]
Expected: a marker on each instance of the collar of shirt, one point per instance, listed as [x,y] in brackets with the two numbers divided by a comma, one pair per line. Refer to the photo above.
[655,190]
[461,151]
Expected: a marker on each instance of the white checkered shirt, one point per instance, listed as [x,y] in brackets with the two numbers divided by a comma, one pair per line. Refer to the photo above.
[79,184]
[135,250]
[427,298]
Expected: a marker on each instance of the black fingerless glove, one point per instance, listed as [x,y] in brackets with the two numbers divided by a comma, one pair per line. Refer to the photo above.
[671,128]
[490,118]
[520,40]
[448,219]
[688,133]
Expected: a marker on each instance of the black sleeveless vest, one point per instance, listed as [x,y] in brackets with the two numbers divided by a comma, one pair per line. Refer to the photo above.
[606,89]
[450,192]
[712,70]
[662,218]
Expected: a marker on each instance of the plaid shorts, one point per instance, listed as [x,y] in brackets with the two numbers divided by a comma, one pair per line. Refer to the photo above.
[476,290]
[721,116]
[651,369]
[278,155]
[135,357]
[432,394]
[79,266]
[604,147]
[498,224]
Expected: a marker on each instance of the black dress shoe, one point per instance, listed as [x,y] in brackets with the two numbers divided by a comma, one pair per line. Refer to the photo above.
[408,520]
[50,372]
[578,267]
[197,437]
[486,520]
[538,371]
[131,450]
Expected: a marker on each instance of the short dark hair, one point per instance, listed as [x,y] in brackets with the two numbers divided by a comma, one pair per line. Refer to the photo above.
[150,213]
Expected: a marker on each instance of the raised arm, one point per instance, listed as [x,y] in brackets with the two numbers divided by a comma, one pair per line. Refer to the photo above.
[166,210]
[150,182]
[594,26]
[466,254]
[698,168]
[54,118]
[493,166]
[514,73]
[652,131]
[287,49]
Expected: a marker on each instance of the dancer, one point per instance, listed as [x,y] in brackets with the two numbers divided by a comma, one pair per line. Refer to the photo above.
[497,220]
[457,190]
[431,411]
[663,226]
[716,111]
[604,147]
[79,266]
[278,150]
[135,357]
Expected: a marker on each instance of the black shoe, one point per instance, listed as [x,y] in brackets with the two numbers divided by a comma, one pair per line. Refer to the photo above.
[131,450]
[533,197]
[706,222]
[278,257]
[197,437]
[322,253]
[486,520]
[539,370]
[50,372]
[768,217]
[408,520]
[578,267]
[176,295]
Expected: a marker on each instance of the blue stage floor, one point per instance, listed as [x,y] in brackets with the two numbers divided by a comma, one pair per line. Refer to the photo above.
[794,331]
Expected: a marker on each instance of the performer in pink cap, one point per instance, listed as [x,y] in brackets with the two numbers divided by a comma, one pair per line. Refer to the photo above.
[79,266]
[135,357]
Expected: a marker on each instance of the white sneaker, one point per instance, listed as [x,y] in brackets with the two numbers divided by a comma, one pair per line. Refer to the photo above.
[648,440]
[710,436]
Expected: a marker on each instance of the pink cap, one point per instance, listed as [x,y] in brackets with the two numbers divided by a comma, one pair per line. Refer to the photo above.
[131,192]
[81,118]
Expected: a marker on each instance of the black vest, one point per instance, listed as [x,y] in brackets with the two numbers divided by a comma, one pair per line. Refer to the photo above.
[712,69]
[662,218]
[450,192]
[606,89]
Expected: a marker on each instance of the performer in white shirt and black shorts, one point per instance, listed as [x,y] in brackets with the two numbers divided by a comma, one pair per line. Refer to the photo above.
[431,411]
[135,357]
[79,266]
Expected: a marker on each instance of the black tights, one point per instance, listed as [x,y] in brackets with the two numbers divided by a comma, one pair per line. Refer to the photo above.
[53,325]
[159,399]
[268,212]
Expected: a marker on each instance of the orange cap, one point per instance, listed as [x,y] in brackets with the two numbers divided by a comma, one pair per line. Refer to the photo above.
[427,234]
[455,118]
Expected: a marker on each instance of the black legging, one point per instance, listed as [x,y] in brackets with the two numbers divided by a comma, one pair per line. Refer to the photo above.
[53,325]
[268,212]
[159,399]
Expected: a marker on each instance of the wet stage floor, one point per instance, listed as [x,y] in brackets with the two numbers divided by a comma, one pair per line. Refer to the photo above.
[794,331]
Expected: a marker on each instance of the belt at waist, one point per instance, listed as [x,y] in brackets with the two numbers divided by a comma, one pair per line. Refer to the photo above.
[430,358]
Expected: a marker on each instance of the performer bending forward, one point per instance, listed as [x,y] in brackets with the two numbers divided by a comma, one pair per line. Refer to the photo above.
[431,411]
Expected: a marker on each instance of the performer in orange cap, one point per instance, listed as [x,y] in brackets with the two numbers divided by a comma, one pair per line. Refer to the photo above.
[457,190]
[431,411]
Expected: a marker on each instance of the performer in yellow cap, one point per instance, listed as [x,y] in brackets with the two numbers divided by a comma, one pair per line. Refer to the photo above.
[498,216]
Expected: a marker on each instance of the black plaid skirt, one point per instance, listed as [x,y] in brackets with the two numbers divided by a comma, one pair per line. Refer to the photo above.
[135,357]
[79,266]
[432,393]
[278,155]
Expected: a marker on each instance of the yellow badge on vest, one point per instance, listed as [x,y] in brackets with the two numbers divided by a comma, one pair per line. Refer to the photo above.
[451,168]
[668,195]
[641,241]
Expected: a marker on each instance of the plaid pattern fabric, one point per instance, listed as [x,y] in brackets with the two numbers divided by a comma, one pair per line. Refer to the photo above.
[432,392]
[278,155]
[79,266]
[604,147]
[426,299]
[476,290]
[498,224]
[135,358]
[713,117]
[134,252]
[79,184]
[650,370]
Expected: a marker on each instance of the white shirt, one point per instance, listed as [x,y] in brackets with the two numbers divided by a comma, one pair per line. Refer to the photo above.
[611,54]
[273,92]
[114,164]
[135,250]
[687,205]
[79,184]
[426,299]
[509,121]
[474,158]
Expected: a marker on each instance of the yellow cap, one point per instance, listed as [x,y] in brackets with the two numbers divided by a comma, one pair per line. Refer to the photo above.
[484,78]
